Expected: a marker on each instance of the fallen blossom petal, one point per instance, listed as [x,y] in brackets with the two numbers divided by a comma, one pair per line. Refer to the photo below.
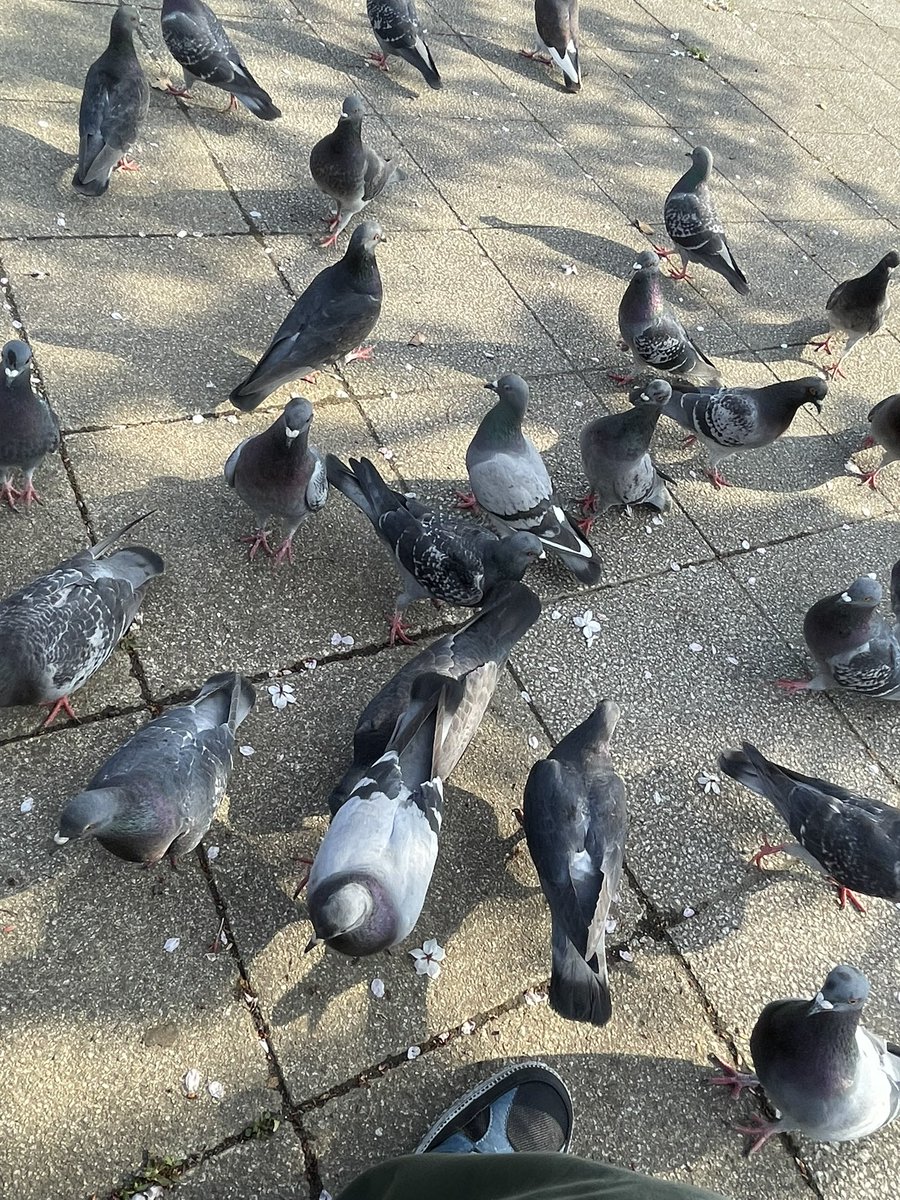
[170,945]
[27,804]
[376,987]
[467,1027]
[190,1082]
[247,751]
[413,1052]
[626,956]
[212,853]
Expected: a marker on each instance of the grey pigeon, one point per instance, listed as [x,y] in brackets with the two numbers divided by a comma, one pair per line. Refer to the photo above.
[484,641]
[731,420]
[159,792]
[556,43]
[113,105]
[60,629]
[329,321]
[855,648]
[853,840]
[372,870]
[652,332]
[828,1077]
[694,225]
[199,44]
[858,307]
[29,430]
[398,31]
[278,474]
[450,561]
[615,453]
[510,482]
[884,422]
[574,818]
[347,171]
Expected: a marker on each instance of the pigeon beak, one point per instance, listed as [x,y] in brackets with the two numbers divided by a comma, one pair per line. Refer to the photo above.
[56,843]
[12,373]
[312,943]
[491,385]
[636,266]
[820,1004]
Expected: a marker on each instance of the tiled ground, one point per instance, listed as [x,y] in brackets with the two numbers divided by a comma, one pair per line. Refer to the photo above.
[145,307]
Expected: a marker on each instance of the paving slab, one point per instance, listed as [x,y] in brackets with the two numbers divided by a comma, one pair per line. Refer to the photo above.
[36,71]
[94,1007]
[196,523]
[177,183]
[614,1074]
[260,1168]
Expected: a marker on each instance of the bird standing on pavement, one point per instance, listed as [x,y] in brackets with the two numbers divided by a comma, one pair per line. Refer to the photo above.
[438,557]
[398,31]
[656,338]
[853,840]
[574,819]
[512,486]
[198,42]
[615,453]
[828,1077]
[556,22]
[694,225]
[58,630]
[855,648]
[278,474]
[29,430]
[113,105]
[347,171]
[159,792]
[731,420]
[858,307]
[337,312]
[884,422]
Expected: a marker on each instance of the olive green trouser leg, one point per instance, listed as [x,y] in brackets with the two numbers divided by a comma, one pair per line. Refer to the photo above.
[510,1177]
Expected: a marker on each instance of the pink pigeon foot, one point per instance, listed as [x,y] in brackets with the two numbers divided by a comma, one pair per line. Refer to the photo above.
[869,479]
[824,345]
[760,1131]
[466,500]
[844,894]
[664,252]
[331,240]
[363,354]
[284,552]
[717,479]
[231,105]
[62,705]
[834,370]
[869,442]
[535,56]
[690,440]
[378,60]
[738,1081]
[257,541]
[765,849]
[682,274]
[307,862]
[178,89]
[586,524]
[8,494]
[792,686]
[311,377]
[126,163]
[617,378]
[29,496]
[398,630]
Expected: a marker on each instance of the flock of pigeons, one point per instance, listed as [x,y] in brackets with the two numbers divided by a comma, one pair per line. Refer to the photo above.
[158,793]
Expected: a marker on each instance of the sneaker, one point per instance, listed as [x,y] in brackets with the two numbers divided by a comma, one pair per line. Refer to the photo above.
[526,1106]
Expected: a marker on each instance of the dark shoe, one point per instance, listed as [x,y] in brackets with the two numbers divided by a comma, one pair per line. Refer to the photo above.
[526,1106]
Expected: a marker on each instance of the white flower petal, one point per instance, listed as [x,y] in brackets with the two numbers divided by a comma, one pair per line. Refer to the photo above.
[377,988]
[212,853]
[247,751]
[413,1052]
[170,945]
[190,1082]
[216,1089]
[27,804]
[432,968]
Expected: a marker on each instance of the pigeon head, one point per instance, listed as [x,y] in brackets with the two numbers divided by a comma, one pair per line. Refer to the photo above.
[890,260]
[845,990]
[352,110]
[657,392]
[513,555]
[647,260]
[364,240]
[864,592]
[342,911]
[513,393]
[16,359]
[297,417]
[126,19]
[89,814]
[701,157]
[816,391]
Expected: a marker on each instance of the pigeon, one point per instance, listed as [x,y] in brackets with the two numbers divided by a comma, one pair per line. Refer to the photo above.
[694,226]
[398,31]
[574,819]
[336,313]
[855,648]
[828,1077]
[557,39]
[60,629]
[484,641]
[858,307]
[371,873]
[853,840]
[437,556]
[29,430]
[199,44]
[157,795]
[615,452]
[510,482]
[884,420]
[347,171]
[652,332]
[730,420]
[278,474]
[113,105]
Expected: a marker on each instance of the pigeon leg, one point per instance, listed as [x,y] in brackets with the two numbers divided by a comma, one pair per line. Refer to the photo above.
[664,251]
[127,163]
[824,345]
[62,705]
[738,1081]
[868,443]
[766,849]
[844,894]
[760,1131]
[284,551]
[307,862]
[398,630]
[466,500]
[690,440]
[792,686]
[834,369]
[536,56]
[589,513]
[378,60]
[257,541]
[682,274]
[717,479]
[363,353]
[231,105]
[311,377]
[28,495]
[616,377]
[178,89]
[8,493]
[869,478]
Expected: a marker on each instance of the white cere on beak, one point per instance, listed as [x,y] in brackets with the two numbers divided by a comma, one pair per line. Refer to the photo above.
[821,1002]
[291,433]
[872,576]
[846,597]
[11,373]
[59,839]
[636,266]
[644,396]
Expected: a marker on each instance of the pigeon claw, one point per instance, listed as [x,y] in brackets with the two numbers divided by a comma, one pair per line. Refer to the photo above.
[766,849]
[759,1131]
[257,541]
[362,353]
[586,524]
[869,479]
[398,630]
[869,442]
[466,501]
[378,60]
[792,686]
[9,495]
[29,496]
[682,274]
[307,862]
[61,705]
[663,251]
[738,1081]
[690,440]
[231,105]
[175,89]
[844,894]
[824,345]
[284,552]
[834,370]
[331,240]
[616,377]
[535,56]
[127,163]
[717,479]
